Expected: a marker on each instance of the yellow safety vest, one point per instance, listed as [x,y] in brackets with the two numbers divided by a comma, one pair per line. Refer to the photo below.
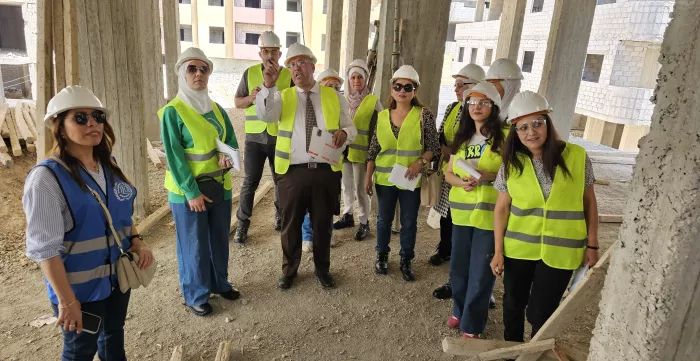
[253,125]
[357,151]
[553,231]
[475,208]
[202,157]
[330,104]
[449,128]
[404,151]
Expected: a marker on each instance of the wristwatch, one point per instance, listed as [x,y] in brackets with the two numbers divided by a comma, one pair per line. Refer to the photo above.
[423,161]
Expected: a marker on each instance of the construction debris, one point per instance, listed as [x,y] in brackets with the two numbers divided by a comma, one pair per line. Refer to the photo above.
[18,131]
[153,154]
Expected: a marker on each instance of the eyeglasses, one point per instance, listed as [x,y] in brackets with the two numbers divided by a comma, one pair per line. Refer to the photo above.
[462,85]
[535,124]
[270,51]
[299,63]
[409,88]
[192,69]
[480,103]
[82,118]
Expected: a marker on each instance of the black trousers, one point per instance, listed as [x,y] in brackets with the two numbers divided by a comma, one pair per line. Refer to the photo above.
[532,285]
[444,248]
[317,190]
[253,164]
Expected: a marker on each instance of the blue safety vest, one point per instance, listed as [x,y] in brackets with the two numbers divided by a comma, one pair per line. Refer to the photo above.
[91,252]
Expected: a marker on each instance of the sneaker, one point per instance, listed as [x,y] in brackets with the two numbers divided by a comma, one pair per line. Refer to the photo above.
[443,292]
[453,322]
[241,235]
[438,259]
[334,240]
[492,302]
[345,221]
[362,232]
[469,335]
[307,246]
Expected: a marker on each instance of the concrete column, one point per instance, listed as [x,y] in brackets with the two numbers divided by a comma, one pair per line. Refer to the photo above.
[308,10]
[563,62]
[2,88]
[229,32]
[423,49]
[650,307]
[358,15]
[511,29]
[334,33]
[195,23]
[479,15]
[495,9]
[171,40]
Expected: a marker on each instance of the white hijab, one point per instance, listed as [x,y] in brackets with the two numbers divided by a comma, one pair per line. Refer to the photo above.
[199,100]
[510,88]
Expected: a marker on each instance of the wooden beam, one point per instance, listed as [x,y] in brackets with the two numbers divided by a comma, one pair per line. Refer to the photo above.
[70,39]
[45,79]
[3,146]
[14,139]
[30,122]
[514,351]
[153,218]
[4,107]
[155,159]
[171,40]
[613,160]
[473,347]
[224,351]
[572,353]
[178,353]
[21,125]
[6,160]
[610,218]
[59,46]
[260,194]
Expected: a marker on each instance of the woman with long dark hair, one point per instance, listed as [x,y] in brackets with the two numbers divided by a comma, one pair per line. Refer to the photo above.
[472,169]
[546,216]
[66,227]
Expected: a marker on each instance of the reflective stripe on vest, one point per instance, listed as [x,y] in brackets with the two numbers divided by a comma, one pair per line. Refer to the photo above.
[475,208]
[449,129]
[404,151]
[91,251]
[201,157]
[553,231]
[255,78]
[357,152]
[330,104]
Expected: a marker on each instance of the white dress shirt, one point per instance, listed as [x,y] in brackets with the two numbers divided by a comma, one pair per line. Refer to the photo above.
[268,104]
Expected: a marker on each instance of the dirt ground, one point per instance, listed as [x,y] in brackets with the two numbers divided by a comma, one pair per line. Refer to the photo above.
[367,317]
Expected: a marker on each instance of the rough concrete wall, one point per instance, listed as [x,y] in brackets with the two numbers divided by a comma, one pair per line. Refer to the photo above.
[243,28]
[650,308]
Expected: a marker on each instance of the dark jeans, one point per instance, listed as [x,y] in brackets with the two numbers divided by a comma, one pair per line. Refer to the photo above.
[471,277]
[444,248]
[410,203]
[253,164]
[534,285]
[108,342]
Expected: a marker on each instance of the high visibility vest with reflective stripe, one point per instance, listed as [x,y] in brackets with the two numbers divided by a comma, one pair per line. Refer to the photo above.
[91,252]
[330,104]
[357,151]
[202,157]
[253,125]
[404,151]
[475,208]
[553,231]
[449,129]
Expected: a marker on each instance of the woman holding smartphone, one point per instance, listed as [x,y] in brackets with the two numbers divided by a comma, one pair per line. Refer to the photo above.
[546,216]
[66,227]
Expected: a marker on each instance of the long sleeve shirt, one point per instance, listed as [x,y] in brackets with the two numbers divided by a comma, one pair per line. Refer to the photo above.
[431,138]
[268,105]
[176,138]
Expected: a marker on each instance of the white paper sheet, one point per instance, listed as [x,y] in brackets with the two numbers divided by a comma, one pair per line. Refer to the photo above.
[463,165]
[322,149]
[398,177]
[233,153]
[578,276]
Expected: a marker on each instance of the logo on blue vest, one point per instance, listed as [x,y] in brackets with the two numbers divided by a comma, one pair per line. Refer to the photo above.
[123,191]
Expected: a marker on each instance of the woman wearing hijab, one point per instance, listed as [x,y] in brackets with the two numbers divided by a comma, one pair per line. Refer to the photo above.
[364,108]
[198,183]
[506,75]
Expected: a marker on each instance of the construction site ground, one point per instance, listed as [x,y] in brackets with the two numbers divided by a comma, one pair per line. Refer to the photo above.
[366,317]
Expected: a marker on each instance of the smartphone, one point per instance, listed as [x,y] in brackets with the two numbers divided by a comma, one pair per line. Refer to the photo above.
[91,323]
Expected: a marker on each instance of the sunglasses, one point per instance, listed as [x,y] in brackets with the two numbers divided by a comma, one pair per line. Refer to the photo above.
[409,88]
[192,69]
[82,118]
[536,124]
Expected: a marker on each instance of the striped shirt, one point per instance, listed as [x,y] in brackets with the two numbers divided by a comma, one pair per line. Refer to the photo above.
[48,215]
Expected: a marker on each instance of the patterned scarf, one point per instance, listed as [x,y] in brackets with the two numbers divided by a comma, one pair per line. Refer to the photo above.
[355,98]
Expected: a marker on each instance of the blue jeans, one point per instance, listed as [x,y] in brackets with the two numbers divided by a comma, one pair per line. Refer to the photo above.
[109,340]
[471,276]
[306,231]
[202,250]
[410,203]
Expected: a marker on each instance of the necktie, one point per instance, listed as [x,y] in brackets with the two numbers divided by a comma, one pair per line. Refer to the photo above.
[310,119]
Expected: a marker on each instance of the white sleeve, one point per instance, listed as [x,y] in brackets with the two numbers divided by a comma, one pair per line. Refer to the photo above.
[345,122]
[268,104]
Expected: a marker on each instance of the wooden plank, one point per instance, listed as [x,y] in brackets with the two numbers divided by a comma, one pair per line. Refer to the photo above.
[171,39]
[224,351]
[472,347]
[603,182]
[514,351]
[96,63]
[3,146]
[612,153]
[30,123]
[21,126]
[610,218]
[70,39]
[14,139]
[3,113]
[153,155]
[59,49]
[4,131]
[83,39]
[572,353]
[178,353]
[6,160]
[260,194]
[153,218]
[613,160]
[45,80]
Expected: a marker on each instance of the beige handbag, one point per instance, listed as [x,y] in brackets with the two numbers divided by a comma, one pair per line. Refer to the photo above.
[432,181]
[129,274]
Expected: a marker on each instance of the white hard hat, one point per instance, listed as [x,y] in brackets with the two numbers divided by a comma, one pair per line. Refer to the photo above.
[526,103]
[329,73]
[297,50]
[358,63]
[268,39]
[406,72]
[471,72]
[504,69]
[193,54]
[487,89]
[71,97]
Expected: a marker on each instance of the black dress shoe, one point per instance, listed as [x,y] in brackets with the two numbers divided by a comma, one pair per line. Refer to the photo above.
[362,232]
[380,265]
[285,282]
[326,279]
[201,310]
[230,295]
[438,259]
[278,223]
[241,236]
[407,270]
[443,292]
[345,221]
